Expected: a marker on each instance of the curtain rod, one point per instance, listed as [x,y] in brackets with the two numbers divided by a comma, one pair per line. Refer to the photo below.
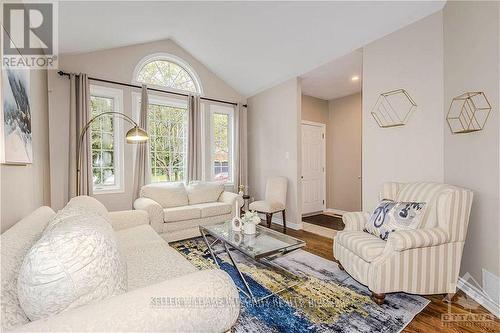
[61,73]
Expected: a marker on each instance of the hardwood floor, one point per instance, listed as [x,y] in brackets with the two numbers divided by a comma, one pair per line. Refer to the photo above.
[430,319]
[326,221]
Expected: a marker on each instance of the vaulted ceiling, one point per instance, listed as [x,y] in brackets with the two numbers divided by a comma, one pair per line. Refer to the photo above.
[250,45]
[335,78]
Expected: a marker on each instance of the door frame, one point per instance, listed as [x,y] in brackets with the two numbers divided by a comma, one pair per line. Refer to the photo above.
[323,128]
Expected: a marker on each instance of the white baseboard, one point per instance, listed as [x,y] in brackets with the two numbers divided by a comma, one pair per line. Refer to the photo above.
[277,219]
[491,285]
[479,296]
[313,213]
[335,211]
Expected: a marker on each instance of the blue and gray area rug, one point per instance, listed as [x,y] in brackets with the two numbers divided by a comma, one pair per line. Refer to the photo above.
[327,300]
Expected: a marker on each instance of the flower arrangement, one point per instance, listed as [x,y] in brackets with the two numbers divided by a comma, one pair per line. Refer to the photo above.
[249,221]
[251,217]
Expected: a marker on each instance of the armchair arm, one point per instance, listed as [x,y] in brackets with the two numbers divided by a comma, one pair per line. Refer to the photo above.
[230,198]
[128,218]
[411,239]
[154,210]
[203,301]
[355,221]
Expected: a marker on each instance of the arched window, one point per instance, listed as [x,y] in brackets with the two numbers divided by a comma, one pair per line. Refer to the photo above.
[167,71]
[168,115]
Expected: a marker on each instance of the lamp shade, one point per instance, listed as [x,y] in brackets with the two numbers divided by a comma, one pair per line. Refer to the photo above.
[136,135]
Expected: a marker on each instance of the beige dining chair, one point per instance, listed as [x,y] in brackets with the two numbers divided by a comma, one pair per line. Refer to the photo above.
[274,201]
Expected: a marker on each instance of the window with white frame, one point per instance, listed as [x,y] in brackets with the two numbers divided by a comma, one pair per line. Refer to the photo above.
[167,127]
[167,117]
[167,71]
[220,151]
[106,140]
[168,123]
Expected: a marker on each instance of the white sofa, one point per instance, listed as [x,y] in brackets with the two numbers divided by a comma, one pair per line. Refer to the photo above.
[176,210]
[156,273]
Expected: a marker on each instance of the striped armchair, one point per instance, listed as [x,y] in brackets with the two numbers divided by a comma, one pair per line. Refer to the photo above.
[422,261]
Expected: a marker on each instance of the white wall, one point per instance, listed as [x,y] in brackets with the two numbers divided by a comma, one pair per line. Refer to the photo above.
[314,109]
[273,142]
[436,59]
[115,64]
[343,155]
[25,188]
[471,54]
[412,59]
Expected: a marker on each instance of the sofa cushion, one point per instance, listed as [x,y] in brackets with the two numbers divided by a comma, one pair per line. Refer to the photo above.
[390,216]
[16,242]
[75,262]
[149,258]
[166,194]
[363,244]
[201,192]
[213,208]
[137,236]
[191,225]
[181,213]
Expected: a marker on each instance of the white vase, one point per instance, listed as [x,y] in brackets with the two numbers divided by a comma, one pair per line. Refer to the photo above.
[250,240]
[249,228]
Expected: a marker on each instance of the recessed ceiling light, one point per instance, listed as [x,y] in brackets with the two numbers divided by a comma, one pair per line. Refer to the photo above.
[355,78]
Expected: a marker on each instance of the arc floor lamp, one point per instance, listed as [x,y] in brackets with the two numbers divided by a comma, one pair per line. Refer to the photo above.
[134,135]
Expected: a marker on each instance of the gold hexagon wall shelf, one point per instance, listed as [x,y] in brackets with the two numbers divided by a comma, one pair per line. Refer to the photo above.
[468,112]
[393,108]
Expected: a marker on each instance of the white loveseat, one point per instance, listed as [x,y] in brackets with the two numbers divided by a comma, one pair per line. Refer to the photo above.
[176,210]
[159,281]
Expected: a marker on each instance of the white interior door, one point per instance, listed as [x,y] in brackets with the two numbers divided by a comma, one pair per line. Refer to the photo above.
[313,167]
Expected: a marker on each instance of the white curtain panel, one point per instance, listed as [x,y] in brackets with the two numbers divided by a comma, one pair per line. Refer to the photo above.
[142,171]
[79,116]
[194,163]
[241,148]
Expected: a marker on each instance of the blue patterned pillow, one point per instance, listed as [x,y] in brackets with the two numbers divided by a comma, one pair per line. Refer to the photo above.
[390,216]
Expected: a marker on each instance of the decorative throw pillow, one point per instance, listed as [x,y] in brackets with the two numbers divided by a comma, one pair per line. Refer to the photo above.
[79,205]
[75,262]
[16,242]
[390,216]
[168,195]
[89,203]
[201,192]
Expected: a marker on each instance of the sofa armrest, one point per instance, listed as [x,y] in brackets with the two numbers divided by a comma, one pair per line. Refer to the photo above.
[154,210]
[355,221]
[128,218]
[203,301]
[231,198]
[410,239]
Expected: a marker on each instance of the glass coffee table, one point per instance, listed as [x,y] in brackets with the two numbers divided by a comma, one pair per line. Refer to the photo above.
[263,247]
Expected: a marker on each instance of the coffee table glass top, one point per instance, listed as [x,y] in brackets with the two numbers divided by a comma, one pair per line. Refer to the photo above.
[264,243]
